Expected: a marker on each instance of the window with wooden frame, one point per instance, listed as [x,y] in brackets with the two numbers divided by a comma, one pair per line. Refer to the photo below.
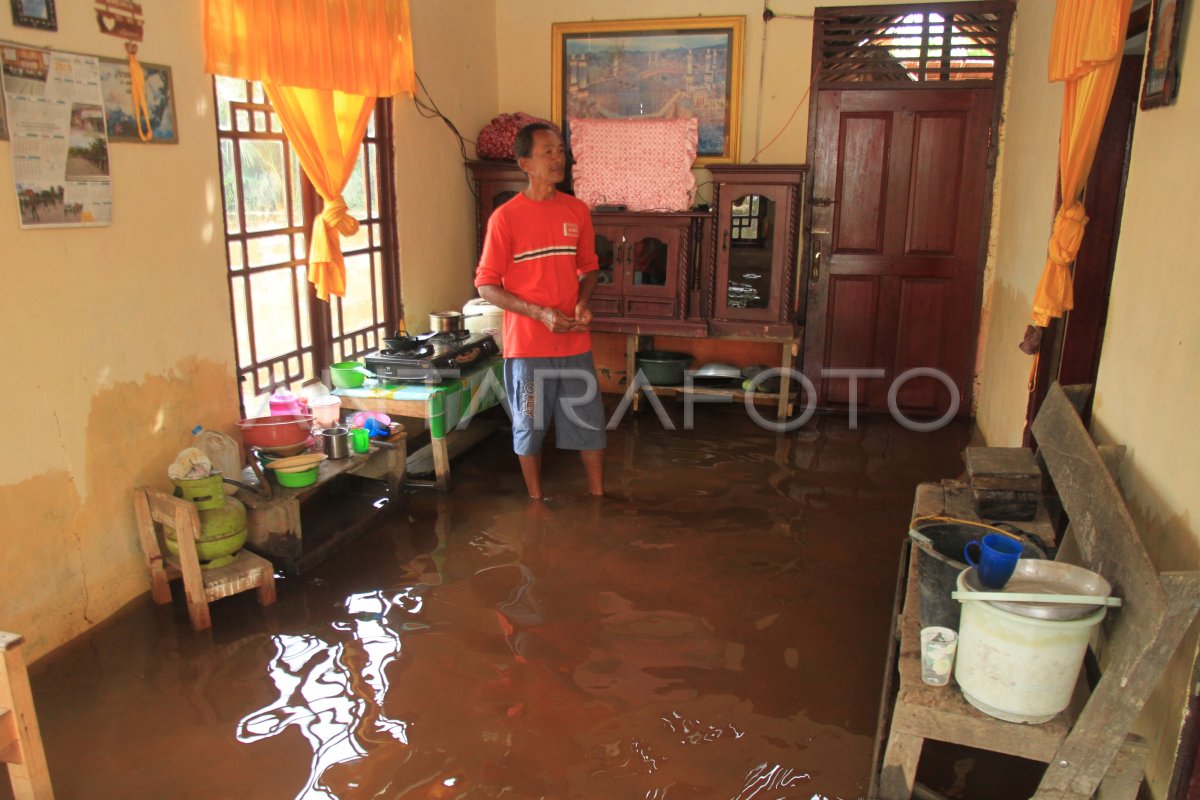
[284,336]
[923,44]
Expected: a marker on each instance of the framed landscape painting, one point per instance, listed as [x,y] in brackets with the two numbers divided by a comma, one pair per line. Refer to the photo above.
[653,68]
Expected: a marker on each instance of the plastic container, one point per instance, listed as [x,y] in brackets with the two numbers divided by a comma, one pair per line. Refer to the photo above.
[347,374]
[490,319]
[1019,668]
[663,367]
[224,453]
[276,431]
[296,480]
[284,402]
[939,564]
[326,410]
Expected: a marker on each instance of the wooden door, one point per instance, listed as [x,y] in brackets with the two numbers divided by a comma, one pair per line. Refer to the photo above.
[898,228]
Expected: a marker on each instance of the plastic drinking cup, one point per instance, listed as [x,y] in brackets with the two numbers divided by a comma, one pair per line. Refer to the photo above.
[996,559]
[937,655]
[360,440]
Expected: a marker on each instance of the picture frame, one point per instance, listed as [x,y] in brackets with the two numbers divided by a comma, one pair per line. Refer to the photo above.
[625,69]
[118,102]
[1161,81]
[34,14]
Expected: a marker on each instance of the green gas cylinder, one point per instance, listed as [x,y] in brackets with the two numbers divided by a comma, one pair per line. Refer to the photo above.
[222,533]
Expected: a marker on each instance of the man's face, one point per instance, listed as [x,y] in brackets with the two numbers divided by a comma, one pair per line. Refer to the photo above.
[547,162]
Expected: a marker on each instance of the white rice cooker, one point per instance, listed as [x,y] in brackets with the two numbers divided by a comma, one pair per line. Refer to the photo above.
[483,317]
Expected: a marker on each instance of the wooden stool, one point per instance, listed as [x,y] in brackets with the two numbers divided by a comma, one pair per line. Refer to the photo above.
[20,738]
[201,587]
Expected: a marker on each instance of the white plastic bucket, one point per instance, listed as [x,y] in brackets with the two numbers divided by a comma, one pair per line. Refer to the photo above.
[1017,668]
[490,319]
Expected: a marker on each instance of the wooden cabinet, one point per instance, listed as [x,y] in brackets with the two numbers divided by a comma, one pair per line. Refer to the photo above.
[646,272]
[496,182]
[749,285]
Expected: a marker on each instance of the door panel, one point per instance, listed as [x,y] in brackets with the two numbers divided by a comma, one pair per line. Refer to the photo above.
[863,145]
[936,183]
[851,299]
[919,344]
[899,179]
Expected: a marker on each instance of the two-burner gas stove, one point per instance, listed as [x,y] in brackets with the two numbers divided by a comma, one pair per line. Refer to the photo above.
[429,357]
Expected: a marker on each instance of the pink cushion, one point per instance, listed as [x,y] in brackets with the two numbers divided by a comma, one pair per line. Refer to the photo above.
[645,164]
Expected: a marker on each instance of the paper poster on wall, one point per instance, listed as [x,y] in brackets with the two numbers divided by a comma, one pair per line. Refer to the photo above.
[59,140]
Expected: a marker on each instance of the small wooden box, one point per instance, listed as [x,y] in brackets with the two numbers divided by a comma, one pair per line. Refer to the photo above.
[1005,481]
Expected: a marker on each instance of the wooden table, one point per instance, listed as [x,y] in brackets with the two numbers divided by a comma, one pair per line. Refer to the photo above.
[444,406]
[275,524]
[1089,744]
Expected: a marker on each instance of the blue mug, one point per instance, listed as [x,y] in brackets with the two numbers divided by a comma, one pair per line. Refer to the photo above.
[997,558]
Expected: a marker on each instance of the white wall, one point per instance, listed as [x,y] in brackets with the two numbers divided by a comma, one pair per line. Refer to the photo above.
[117,342]
[1147,385]
[455,55]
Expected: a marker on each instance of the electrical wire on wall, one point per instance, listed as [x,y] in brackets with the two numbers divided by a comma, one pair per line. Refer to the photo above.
[768,16]
[427,107]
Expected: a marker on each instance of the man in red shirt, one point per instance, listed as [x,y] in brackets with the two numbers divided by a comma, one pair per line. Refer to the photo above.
[539,265]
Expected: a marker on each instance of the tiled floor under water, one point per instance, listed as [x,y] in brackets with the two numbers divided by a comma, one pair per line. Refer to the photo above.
[715,628]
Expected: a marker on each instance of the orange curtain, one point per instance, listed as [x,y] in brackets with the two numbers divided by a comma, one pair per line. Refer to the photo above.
[325,128]
[322,63]
[1085,52]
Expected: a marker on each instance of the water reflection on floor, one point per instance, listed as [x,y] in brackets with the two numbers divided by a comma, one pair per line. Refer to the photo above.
[716,628]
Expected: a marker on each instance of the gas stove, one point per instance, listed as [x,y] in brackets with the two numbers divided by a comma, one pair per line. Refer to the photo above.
[429,357]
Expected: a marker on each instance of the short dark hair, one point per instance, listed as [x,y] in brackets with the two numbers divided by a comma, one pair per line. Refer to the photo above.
[523,144]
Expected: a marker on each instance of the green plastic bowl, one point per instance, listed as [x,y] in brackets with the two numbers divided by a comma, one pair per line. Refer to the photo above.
[347,375]
[297,480]
[663,367]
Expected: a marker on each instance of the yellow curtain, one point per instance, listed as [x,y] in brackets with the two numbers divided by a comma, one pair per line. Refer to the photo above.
[323,63]
[325,128]
[1085,52]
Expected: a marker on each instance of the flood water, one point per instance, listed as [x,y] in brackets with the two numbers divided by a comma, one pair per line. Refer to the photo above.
[715,628]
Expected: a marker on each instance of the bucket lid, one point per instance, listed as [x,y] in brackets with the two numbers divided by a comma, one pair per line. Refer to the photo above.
[1035,576]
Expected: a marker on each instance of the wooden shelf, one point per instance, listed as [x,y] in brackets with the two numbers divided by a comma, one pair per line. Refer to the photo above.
[736,395]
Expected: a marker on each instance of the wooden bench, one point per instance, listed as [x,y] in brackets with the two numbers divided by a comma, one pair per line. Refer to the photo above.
[20,738]
[1088,744]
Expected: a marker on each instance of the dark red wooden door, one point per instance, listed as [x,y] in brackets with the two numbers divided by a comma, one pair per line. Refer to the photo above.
[899,188]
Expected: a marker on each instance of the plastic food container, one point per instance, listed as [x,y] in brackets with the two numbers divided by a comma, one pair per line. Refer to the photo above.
[297,480]
[278,431]
[347,375]
[326,409]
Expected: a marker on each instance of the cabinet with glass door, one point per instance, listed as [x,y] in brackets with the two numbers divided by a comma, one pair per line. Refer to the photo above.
[749,287]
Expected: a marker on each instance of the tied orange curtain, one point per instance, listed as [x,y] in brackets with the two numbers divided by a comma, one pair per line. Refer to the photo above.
[1085,53]
[323,63]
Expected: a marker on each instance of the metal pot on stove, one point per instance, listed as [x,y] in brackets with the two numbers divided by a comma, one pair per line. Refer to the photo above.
[448,321]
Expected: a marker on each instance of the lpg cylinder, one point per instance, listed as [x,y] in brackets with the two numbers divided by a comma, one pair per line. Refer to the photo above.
[222,534]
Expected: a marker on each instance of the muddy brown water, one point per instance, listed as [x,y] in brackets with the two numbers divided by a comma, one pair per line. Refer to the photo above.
[715,628]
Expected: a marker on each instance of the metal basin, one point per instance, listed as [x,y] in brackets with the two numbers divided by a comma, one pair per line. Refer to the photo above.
[1034,576]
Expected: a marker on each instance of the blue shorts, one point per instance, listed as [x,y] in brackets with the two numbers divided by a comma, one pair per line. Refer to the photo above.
[560,388]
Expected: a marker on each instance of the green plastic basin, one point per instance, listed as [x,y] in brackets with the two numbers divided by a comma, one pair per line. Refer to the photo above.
[297,480]
[347,375]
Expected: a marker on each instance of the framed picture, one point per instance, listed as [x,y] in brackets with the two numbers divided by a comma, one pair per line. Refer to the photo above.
[34,14]
[622,69]
[118,102]
[1162,53]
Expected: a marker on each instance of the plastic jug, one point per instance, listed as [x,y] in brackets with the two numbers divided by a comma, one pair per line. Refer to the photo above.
[284,402]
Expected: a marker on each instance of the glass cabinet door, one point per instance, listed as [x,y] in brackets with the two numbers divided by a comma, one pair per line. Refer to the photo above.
[609,246]
[648,264]
[751,243]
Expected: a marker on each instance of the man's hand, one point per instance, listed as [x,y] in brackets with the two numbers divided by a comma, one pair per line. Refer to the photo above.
[555,320]
[583,317]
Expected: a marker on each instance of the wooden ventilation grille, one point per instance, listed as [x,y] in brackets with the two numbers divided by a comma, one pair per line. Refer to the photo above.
[918,44]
